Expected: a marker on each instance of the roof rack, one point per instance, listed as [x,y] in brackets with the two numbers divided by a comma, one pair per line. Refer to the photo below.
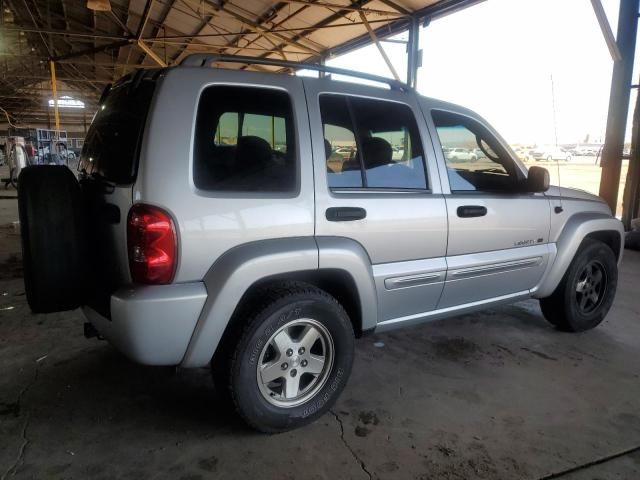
[206,59]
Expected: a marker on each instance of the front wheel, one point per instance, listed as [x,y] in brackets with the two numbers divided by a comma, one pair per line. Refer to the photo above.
[585,294]
[292,360]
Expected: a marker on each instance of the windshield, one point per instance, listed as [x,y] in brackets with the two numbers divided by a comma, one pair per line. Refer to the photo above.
[112,144]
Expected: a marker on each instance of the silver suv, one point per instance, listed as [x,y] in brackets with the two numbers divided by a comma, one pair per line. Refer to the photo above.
[213,223]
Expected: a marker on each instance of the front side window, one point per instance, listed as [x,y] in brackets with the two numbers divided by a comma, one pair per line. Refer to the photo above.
[245,141]
[475,159]
[371,144]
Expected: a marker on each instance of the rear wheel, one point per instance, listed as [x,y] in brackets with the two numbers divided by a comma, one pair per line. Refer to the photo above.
[292,360]
[586,292]
[53,238]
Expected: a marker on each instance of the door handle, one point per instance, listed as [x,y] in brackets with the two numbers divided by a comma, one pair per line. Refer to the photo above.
[468,211]
[345,214]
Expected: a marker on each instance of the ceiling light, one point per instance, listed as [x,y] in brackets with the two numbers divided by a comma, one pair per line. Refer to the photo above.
[67,102]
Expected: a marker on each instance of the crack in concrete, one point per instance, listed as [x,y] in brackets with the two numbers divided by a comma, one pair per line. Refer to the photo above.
[11,471]
[346,444]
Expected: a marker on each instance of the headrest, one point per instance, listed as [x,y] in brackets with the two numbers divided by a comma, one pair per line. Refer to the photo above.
[253,151]
[377,152]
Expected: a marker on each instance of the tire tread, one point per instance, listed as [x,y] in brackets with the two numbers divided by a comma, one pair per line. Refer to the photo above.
[265,298]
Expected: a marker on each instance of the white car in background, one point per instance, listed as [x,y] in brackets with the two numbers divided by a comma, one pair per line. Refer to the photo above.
[461,155]
[397,154]
[550,153]
[344,152]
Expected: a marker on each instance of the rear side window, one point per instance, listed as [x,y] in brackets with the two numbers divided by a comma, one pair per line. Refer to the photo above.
[245,141]
[371,144]
[112,145]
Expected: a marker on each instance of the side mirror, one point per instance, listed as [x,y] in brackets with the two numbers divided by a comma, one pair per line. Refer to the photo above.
[538,180]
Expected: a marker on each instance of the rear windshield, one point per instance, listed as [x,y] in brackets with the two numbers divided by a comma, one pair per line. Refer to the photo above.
[112,144]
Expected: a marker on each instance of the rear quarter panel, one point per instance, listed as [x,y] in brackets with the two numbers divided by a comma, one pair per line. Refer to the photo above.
[208,223]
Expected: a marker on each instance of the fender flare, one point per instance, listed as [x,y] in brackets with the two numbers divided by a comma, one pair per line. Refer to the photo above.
[237,270]
[576,229]
[340,253]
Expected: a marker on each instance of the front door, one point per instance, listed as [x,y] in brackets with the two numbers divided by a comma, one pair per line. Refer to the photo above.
[377,185]
[498,234]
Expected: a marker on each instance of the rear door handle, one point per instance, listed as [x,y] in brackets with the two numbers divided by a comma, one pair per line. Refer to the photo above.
[468,211]
[345,214]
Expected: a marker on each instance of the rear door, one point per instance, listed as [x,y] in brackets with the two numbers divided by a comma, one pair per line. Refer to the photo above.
[498,233]
[377,184]
[108,166]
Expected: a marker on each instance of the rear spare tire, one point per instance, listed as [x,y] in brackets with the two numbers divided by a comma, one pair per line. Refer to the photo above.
[53,238]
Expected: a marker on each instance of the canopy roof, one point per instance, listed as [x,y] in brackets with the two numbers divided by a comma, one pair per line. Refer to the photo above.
[92,49]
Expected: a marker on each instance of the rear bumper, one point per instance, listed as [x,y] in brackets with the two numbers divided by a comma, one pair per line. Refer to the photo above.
[152,324]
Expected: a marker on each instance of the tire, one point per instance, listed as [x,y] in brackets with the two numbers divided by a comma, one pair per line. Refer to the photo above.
[568,159]
[295,308]
[569,308]
[53,238]
[549,158]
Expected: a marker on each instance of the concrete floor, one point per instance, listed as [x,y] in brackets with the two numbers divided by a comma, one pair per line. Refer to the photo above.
[495,395]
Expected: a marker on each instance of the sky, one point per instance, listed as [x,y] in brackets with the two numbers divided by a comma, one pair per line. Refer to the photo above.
[499,58]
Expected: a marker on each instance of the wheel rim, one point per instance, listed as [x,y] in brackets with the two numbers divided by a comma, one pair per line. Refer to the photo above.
[591,287]
[295,363]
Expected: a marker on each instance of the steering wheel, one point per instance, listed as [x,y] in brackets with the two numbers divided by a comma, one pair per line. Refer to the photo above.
[481,145]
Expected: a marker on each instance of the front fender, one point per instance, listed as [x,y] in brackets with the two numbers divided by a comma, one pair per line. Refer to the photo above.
[574,232]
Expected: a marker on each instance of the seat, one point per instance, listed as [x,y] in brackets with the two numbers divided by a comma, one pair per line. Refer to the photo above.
[382,171]
[252,153]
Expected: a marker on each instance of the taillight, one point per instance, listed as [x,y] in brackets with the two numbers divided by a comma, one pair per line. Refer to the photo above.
[152,243]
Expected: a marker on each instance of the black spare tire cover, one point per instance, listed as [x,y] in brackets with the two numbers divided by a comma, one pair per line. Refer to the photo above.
[53,238]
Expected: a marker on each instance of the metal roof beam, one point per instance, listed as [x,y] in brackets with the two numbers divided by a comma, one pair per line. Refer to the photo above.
[609,38]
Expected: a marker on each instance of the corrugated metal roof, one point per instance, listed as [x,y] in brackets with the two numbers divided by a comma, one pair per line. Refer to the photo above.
[92,49]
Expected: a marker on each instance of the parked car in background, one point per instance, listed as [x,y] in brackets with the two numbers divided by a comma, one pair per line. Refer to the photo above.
[397,153]
[550,153]
[524,154]
[461,155]
[344,152]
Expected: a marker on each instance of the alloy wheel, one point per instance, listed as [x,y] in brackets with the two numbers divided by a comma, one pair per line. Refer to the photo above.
[591,287]
[295,363]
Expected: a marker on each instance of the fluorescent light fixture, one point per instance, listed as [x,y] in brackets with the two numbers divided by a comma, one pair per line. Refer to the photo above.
[66,102]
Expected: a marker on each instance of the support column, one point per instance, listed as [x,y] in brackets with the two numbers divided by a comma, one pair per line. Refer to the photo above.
[54,89]
[414,60]
[631,199]
[619,102]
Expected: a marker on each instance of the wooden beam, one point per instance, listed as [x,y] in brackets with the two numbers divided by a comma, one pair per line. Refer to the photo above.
[374,39]
[143,46]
